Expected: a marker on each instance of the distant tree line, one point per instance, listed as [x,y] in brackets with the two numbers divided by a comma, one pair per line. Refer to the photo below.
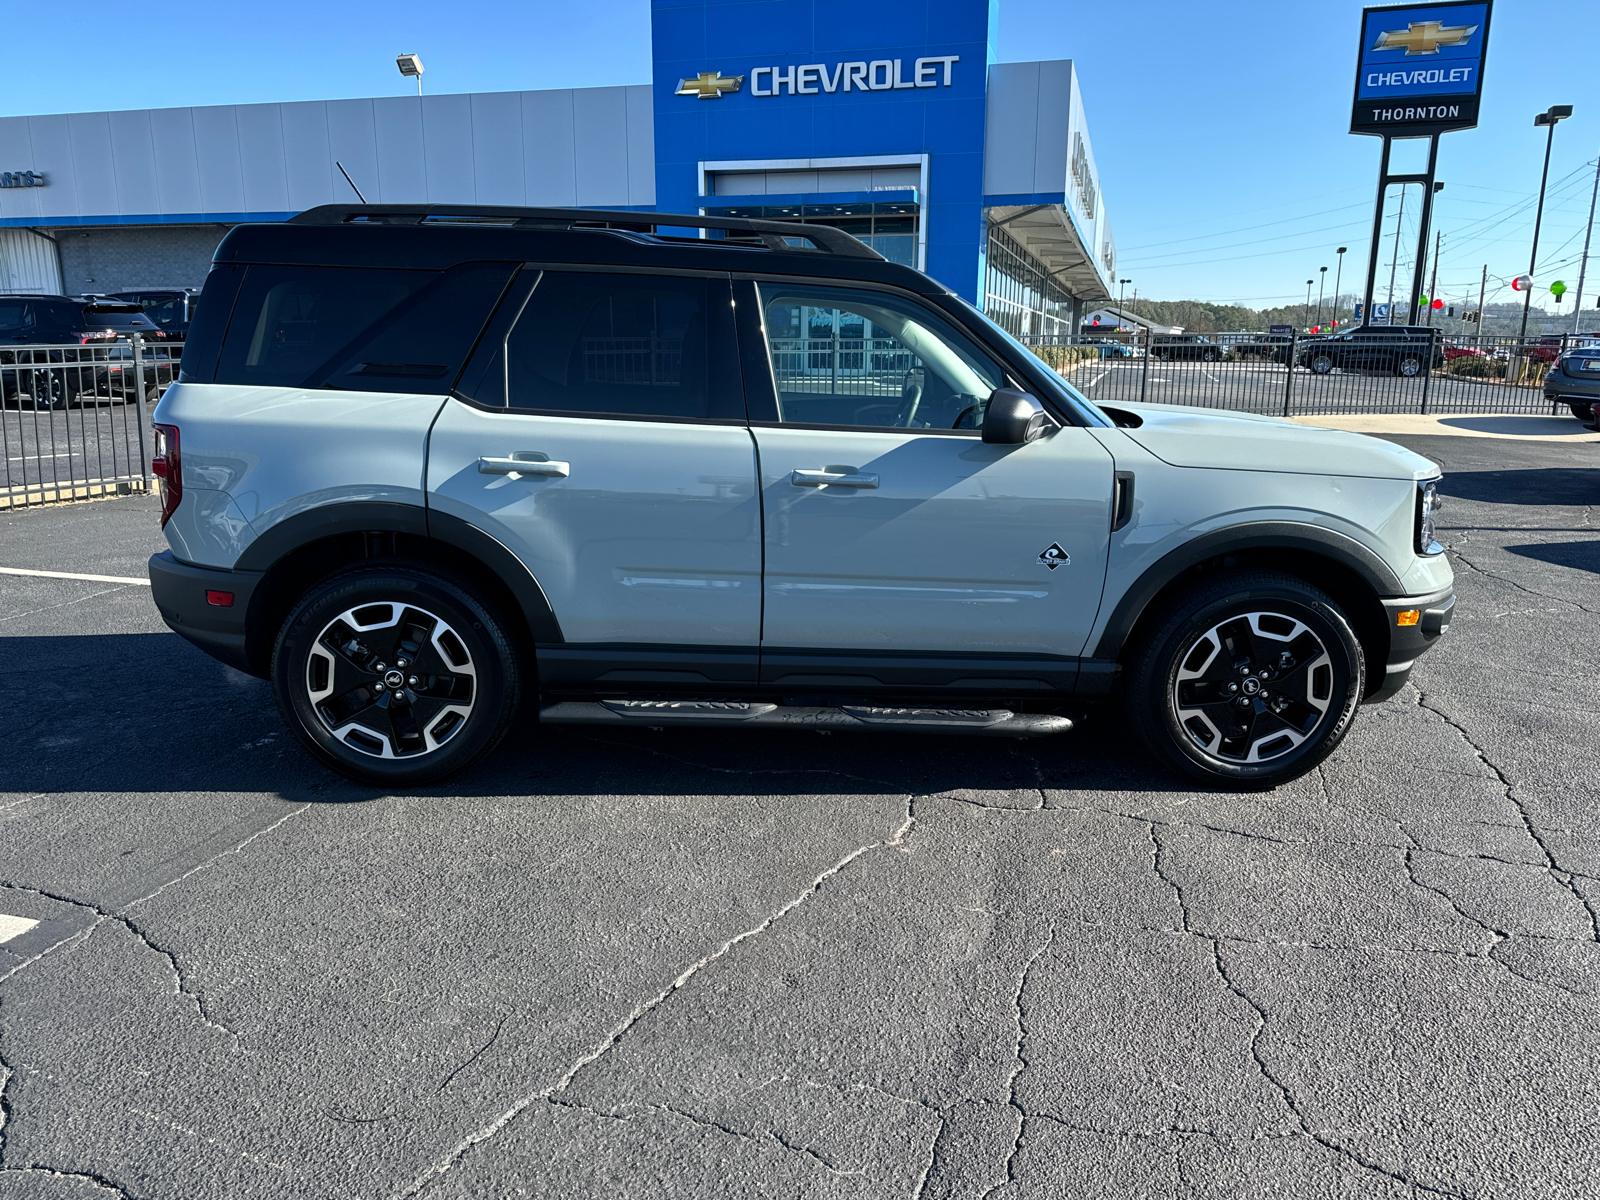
[1500,319]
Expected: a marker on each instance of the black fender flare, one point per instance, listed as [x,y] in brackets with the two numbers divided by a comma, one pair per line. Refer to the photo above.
[1288,535]
[387,516]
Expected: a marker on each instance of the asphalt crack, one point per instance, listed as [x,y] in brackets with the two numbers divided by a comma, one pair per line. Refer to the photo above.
[644,1009]
[1020,1062]
[182,985]
[99,1182]
[1551,865]
[1521,587]
[481,1051]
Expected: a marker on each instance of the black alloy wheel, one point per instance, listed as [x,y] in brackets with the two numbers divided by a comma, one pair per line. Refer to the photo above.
[1409,366]
[1322,364]
[1213,356]
[395,676]
[1247,682]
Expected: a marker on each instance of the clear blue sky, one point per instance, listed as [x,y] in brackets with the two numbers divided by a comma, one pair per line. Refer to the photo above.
[1219,129]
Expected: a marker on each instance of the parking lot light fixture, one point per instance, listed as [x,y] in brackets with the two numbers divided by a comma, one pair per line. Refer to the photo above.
[411,67]
[1322,274]
[1305,316]
[1337,276]
[1546,120]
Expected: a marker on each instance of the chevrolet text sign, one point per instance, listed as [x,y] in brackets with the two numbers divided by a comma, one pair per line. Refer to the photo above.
[1420,70]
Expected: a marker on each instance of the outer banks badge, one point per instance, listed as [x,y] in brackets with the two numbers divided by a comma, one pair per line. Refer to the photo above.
[1054,556]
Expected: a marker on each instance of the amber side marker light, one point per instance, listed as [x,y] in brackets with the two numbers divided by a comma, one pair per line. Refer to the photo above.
[1410,617]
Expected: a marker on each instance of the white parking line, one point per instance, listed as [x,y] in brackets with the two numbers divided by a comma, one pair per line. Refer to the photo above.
[11,927]
[1098,378]
[71,575]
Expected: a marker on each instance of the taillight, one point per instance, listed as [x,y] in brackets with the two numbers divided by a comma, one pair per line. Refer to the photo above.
[167,466]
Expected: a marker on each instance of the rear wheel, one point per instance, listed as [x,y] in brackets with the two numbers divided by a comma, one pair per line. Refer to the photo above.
[1321,364]
[1409,366]
[395,676]
[1583,412]
[1247,682]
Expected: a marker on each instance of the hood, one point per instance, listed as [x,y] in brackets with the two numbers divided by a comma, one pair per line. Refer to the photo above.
[1234,441]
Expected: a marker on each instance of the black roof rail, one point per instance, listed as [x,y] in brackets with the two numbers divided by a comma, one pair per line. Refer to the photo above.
[774,235]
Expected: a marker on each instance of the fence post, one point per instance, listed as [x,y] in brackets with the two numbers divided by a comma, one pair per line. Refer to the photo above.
[1288,385]
[1427,375]
[138,389]
[1149,348]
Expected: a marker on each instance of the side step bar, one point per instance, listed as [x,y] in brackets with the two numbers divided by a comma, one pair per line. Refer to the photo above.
[986,722]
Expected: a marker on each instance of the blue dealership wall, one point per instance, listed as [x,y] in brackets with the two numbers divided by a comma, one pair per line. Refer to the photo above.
[735,37]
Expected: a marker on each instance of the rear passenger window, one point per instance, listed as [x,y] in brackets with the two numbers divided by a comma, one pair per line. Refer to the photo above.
[289,321]
[622,345]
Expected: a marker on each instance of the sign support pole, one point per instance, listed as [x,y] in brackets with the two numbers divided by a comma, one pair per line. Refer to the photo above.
[1422,230]
[1377,235]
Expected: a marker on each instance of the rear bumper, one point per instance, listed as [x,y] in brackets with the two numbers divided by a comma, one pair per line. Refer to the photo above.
[1407,643]
[180,592]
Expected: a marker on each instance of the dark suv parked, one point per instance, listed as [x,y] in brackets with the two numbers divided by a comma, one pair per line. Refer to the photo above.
[1185,347]
[103,367]
[172,309]
[1407,350]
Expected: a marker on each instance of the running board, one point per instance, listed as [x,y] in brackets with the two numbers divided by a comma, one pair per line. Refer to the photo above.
[988,722]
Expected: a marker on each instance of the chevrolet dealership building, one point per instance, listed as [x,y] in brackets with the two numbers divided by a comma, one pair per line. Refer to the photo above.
[891,121]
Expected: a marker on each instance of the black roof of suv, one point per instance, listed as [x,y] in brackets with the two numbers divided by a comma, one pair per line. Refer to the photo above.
[429,236]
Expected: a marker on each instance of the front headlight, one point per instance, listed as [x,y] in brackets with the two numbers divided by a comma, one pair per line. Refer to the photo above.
[1428,504]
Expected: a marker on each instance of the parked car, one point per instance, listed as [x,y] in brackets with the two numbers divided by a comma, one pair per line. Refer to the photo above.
[1406,350]
[1110,349]
[171,309]
[84,352]
[1185,347]
[1268,346]
[419,470]
[1574,380]
[1543,349]
[1454,350]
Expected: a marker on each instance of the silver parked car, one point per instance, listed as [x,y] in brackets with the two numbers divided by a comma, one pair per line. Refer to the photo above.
[437,473]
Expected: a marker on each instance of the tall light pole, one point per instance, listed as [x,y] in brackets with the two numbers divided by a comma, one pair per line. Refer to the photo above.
[1337,276]
[1305,315]
[1122,286]
[1547,119]
[1322,274]
[1395,261]
[1583,263]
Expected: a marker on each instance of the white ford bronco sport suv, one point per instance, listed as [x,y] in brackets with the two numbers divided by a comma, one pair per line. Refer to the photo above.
[427,469]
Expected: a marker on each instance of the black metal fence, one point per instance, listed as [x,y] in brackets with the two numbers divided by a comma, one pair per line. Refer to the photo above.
[75,420]
[1373,370]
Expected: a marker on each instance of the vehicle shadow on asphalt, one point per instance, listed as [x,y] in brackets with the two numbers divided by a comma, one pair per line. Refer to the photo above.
[1581,556]
[147,712]
[1541,485]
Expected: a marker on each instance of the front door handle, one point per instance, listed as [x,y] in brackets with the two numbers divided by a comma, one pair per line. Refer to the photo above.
[523,466]
[832,477]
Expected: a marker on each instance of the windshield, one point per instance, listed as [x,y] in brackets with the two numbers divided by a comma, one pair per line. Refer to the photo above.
[1062,391]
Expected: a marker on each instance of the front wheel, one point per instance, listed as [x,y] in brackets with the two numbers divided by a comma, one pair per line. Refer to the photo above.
[1322,364]
[395,676]
[1247,682]
[1409,366]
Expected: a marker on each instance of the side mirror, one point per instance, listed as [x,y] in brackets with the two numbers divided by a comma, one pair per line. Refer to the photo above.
[1012,418]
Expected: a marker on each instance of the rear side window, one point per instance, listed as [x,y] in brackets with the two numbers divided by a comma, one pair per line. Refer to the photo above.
[204,342]
[620,345]
[357,329]
[15,315]
[288,321]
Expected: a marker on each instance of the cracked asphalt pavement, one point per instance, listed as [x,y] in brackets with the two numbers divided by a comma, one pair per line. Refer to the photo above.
[709,964]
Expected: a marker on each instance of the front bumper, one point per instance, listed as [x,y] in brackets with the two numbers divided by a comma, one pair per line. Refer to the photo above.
[1407,643]
[181,590]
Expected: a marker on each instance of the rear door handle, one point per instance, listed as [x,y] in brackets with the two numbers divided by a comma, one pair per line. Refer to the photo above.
[854,479]
[523,466]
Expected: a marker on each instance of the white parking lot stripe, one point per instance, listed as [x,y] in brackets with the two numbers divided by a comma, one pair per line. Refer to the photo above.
[70,575]
[11,927]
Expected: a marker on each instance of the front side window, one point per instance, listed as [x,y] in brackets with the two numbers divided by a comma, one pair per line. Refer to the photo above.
[617,345]
[847,357]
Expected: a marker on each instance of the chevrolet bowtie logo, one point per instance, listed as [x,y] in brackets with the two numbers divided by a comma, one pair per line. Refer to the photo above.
[710,85]
[1423,37]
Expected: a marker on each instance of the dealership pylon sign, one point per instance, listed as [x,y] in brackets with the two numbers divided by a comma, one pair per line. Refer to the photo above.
[1420,68]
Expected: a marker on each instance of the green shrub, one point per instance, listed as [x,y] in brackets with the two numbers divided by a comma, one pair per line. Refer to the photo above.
[1063,358]
[1476,367]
